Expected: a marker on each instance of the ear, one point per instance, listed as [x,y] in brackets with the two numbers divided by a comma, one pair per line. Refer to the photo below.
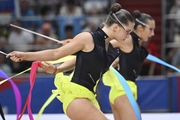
[140,28]
[115,27]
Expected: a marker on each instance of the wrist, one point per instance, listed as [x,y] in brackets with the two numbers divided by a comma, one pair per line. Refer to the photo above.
[55,69]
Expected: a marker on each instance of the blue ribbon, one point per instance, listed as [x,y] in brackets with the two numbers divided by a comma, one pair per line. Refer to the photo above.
[127,88]
[128,92]
[157,60]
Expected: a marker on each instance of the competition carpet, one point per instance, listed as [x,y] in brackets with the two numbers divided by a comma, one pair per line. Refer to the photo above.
[145,116]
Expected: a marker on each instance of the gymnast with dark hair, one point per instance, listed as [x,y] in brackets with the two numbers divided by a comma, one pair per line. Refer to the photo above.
[128,64]
[94,55]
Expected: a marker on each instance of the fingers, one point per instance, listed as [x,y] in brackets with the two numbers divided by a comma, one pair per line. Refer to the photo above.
[15,59]
[64,42]
[14,56]
[47,67]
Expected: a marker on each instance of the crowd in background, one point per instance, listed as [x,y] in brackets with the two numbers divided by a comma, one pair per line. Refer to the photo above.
[52,18]
[63,19]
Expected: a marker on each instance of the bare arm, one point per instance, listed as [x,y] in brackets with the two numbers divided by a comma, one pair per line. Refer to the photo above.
[66,66]
[52,69]
[115,64]
[152,68]
[78,43]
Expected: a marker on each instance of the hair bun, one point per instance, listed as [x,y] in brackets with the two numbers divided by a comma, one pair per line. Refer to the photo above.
[115,7]
[136,14]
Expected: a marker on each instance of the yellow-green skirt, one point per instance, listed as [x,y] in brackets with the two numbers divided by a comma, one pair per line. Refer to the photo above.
[68,91]
[110,79]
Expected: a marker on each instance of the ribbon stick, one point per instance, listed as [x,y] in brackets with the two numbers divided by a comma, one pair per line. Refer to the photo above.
[55,40]
[8,78]
[157,60]
[3,53]
[16,93]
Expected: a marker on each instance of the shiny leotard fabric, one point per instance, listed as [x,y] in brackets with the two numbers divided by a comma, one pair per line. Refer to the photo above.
[90,66]
[130,65]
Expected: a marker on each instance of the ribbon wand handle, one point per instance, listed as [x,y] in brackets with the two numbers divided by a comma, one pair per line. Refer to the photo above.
[55,40]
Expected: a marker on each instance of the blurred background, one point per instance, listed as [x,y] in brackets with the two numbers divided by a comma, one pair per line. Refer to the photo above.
[158,86]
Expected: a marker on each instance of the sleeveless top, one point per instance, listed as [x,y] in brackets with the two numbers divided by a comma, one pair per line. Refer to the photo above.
[130,63]
[90,66]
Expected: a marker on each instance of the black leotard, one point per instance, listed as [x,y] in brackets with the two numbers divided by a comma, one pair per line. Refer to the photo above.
[130,63]
[91,65]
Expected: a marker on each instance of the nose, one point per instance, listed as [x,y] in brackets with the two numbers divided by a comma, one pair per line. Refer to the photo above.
[152,33]
[127,36]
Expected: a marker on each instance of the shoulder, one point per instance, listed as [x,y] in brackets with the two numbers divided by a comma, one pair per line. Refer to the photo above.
[83,37]
[144,50]
[114,43]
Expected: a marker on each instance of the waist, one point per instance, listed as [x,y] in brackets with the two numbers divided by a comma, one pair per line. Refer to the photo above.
[85,83]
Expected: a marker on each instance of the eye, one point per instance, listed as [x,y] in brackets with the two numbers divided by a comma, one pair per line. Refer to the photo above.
[151,29]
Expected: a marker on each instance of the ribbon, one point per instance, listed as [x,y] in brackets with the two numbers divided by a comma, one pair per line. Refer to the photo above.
[34,68]
[128,92]
[53,95]
[124,84]
[16,93]
[1,112]
[53,62]
[48,101]
[157,60]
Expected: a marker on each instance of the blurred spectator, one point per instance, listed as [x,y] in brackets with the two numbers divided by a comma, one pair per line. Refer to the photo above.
[94,7]
[69,31]
[47,15]
[3,65]
[19,39]
[3,44]
[25,11]
[46,30]
[176,58]
[18,67]
[70,9]
[174,31]
[3,61]
[45,2]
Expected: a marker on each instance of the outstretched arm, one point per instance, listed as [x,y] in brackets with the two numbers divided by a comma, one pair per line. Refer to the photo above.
[78,43]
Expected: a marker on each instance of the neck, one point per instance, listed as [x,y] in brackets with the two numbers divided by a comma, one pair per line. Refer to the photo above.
[137,33]
[107,40]
[107,31]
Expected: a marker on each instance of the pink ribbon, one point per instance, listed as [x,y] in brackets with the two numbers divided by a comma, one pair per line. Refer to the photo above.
[16,93]
[34,68]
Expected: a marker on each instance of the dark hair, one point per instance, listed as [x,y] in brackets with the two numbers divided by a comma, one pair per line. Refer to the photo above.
[142,17]
[70,2]
[45,9]
[118,15]
[68,28]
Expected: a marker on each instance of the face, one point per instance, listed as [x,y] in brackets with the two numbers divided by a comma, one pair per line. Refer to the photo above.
[124,31]
[148,31]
